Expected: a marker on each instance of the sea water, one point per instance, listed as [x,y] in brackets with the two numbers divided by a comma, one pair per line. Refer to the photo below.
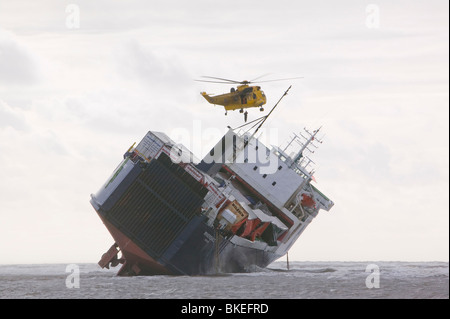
[303,280]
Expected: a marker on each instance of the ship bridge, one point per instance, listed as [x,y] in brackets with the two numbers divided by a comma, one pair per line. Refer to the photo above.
[269,174]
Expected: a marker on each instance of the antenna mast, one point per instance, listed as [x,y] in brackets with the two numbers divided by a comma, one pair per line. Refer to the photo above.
[312,138]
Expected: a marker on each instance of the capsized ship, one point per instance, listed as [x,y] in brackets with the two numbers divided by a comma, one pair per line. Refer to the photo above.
[242,207]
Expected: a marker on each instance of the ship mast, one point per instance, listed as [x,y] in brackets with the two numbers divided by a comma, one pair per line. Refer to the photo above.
[259,121]
[262,119]
[265,117]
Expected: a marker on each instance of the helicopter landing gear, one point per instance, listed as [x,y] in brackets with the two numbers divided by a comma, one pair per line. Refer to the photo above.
[226,113]
[261,109]
[241,111]
[245,116]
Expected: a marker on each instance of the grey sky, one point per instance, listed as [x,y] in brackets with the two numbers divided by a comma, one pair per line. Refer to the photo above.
[72,100]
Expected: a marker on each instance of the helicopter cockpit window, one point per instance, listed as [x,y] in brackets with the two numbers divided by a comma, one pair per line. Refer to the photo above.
[254,95]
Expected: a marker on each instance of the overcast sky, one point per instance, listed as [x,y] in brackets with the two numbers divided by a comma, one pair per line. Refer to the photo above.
[80,81]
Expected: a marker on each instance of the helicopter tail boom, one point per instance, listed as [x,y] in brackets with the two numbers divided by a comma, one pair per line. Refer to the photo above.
[207,97]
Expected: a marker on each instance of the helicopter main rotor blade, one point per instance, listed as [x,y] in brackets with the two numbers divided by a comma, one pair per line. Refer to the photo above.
[300,77]
[261,76]
[227,81]
[214,82]
[231,81]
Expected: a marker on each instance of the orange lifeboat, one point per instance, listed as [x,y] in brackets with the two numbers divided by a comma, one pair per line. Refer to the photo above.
[307,201]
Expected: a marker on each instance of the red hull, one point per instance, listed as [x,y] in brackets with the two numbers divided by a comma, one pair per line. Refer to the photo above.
[135,260]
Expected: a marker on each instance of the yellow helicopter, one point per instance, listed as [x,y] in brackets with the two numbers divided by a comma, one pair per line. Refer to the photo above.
[243,97]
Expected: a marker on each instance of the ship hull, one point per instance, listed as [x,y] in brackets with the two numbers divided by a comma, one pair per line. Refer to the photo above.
[154,216]
[194,252]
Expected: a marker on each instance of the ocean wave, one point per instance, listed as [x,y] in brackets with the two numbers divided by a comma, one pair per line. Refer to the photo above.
[303,280]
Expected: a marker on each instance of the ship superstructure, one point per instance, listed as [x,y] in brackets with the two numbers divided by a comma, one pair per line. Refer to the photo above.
[244,205]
